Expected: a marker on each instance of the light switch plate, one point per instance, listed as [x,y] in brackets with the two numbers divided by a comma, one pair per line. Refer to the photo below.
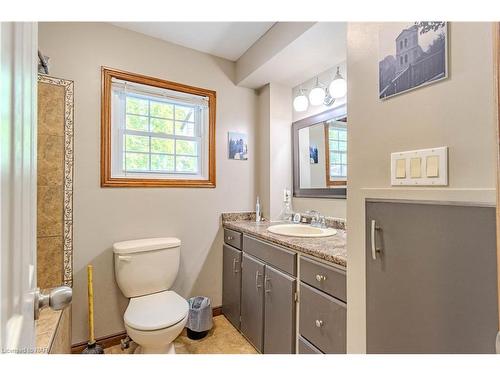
[435,175]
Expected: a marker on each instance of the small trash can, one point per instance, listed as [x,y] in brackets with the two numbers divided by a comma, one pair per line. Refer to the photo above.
[199,318]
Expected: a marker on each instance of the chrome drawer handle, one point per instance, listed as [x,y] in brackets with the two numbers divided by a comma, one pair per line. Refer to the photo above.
[319,323]
[266,280]
[235,270]
[257,275]
[375,249]
[320,278]
[229,238]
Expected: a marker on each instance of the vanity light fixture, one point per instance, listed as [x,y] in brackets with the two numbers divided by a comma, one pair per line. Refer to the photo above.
[317,94]
[338,87]
[300,103]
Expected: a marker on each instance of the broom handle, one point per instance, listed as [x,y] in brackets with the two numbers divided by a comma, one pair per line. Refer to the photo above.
[91,303]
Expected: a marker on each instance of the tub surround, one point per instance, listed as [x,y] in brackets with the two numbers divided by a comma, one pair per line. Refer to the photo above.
[53,332]
[331,249]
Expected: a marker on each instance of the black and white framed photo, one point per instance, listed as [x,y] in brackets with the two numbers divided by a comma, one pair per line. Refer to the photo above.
[411,55]
[237,146]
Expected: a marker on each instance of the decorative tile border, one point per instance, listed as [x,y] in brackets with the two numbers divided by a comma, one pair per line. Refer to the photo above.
[68,172]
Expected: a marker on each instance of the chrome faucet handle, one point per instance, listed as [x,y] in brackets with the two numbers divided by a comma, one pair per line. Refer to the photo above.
[322,221]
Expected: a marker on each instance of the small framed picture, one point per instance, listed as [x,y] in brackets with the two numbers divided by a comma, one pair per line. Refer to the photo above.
[411,55]
[313,154]
[237,146]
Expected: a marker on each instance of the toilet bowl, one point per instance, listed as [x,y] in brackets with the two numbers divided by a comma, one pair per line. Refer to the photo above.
[145,270]
[154,321]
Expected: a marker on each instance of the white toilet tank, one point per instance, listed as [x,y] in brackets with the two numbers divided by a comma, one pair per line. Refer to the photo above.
[146,266]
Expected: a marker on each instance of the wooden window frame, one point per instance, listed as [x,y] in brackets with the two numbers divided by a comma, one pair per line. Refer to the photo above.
[107,74]
[327,158]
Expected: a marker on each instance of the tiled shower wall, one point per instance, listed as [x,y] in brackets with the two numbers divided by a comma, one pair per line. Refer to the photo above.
[50,185]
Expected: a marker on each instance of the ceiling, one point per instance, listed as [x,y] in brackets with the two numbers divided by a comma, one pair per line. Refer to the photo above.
[223,39]
[318,49]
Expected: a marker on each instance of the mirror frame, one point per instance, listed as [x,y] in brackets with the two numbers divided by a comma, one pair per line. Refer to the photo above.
[298,192]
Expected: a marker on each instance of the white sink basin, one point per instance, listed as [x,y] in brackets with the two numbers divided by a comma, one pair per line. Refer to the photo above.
[301,230]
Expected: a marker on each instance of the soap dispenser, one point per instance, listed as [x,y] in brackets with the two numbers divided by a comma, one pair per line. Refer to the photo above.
[258,213]
[286,212]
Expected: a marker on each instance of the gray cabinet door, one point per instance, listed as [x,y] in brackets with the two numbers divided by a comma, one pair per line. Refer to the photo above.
[231,284]
[279,312]
[432,287]
[252,300]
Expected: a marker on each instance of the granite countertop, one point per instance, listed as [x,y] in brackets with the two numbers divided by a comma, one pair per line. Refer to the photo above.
[332,248]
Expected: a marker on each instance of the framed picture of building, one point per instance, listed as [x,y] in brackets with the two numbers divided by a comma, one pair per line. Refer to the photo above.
[237,146]
[411,55]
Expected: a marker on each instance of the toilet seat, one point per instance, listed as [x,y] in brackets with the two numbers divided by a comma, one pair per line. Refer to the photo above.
[156,311]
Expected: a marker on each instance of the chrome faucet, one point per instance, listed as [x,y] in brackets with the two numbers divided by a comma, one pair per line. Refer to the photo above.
[317,219]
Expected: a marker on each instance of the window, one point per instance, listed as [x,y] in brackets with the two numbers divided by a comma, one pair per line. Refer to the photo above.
[156,132]
[401,60]
[406,42]
[336,155]
[406,59]
[401,44]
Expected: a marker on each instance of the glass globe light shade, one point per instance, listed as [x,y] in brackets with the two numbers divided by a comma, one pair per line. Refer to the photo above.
[338,87]
[300,103]
[317,95]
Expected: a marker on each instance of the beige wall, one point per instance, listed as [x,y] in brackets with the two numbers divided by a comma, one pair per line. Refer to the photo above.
[458,113]
[273,148]
[106,215]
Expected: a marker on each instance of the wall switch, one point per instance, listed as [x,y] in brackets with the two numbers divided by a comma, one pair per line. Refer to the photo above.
[432,166]
[416,167]
[426,167]
[401,168]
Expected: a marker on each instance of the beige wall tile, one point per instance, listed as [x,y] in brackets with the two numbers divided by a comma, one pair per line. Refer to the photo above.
[49,261]
[50,109]
[50,160]
[50,211]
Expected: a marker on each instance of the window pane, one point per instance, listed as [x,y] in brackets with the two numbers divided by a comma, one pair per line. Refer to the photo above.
[335,158]
[134,161]
[343,135]
[162,163]
[342,146]
[164,146]
[344,158]
[162,126]
[335,170]
[137,106]
[137,123]
[186,147]
[184,113]
[187,164]
[334,134]
[164,110]
[184,128]
[334,146]
[136,143]
[344,170]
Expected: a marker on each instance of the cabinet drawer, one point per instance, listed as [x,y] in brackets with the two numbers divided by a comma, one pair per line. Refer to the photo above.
[322,320]
[232,238]
[278,257]
[305,347]
[328,279]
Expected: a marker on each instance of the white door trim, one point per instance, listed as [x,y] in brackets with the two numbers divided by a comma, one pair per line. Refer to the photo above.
[18,117]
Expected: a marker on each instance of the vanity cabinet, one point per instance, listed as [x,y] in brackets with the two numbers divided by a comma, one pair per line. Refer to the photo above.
[231,286]
[279,312]
[260,297]
[252,300]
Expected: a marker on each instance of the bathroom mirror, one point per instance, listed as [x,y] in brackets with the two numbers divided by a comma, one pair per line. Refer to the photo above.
[320,155]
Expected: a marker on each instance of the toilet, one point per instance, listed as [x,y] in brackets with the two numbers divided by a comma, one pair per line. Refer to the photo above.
[145,270]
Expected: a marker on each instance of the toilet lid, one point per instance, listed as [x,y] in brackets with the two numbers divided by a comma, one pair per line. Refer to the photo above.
[156,311]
